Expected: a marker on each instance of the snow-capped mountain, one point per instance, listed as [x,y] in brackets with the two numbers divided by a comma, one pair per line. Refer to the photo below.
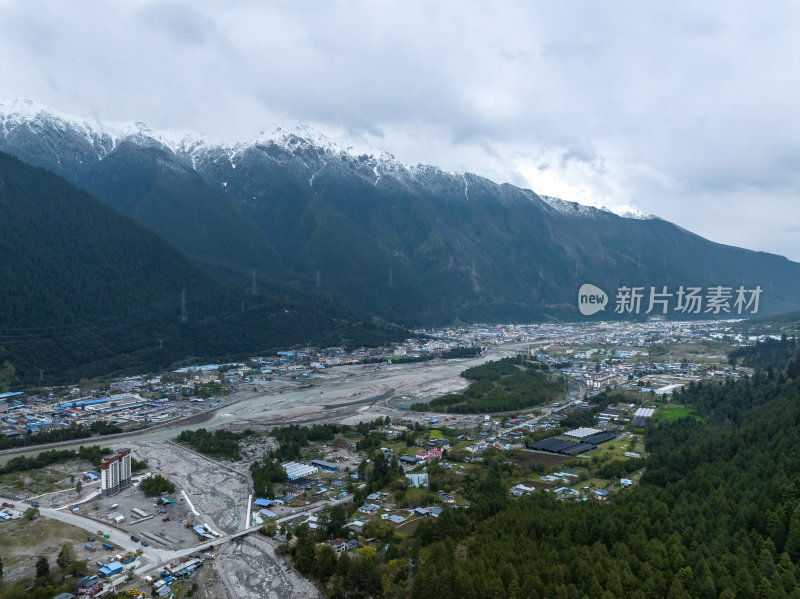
[411,244]
[69,144]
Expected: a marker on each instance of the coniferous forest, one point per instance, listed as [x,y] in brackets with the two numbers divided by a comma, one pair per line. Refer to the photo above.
[85,291]
[501,385]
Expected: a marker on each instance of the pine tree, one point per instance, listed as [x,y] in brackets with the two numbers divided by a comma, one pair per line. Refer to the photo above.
[42,567]
[65,556]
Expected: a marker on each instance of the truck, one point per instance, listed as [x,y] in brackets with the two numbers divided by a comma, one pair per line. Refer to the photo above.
[108,547]
[106,535]
[128,560]
[134,538]
[89,547]
[90,538]
[145,544]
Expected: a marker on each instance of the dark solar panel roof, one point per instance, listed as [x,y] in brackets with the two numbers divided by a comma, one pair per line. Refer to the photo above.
[546,444]
[598,438]
[563,446]
[581,447]
[569,447]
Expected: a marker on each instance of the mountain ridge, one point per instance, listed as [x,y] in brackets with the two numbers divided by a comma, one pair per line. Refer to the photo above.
[405,244]
[88,291]
[105,137]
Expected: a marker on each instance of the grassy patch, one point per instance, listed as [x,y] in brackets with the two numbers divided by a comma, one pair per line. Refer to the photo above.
[22,540]
[44,480]
[436,434]
[409,528]
[675,413]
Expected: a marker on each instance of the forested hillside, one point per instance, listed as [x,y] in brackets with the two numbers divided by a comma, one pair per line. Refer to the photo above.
[86,291]
[407,244]
[774,353]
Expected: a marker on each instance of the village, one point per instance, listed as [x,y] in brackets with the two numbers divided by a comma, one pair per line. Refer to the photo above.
[389,473]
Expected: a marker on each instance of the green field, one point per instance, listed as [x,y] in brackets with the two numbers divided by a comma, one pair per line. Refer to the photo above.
[675,413]
[436,434]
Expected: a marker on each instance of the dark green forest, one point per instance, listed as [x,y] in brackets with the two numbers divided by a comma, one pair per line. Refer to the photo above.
[219,443]
[156,485]
[500,386]
[774,353]
[89,292]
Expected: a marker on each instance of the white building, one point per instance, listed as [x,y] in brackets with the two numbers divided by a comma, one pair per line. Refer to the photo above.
[115,472]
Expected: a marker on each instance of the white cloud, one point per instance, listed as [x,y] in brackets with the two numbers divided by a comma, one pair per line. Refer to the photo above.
[683,110]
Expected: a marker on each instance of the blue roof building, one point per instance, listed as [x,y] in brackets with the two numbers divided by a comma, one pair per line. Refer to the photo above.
[111,569]
[329,466]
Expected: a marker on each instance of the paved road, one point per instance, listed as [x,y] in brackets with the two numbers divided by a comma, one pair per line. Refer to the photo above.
[153,558]
[118,538]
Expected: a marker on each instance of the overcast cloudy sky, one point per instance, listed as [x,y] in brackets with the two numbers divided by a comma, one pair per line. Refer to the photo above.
[686,111]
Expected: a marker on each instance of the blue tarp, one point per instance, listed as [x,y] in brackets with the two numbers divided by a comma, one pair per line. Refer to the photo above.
[111,569]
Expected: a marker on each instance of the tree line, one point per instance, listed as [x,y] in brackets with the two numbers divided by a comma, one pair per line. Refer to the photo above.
[503,385]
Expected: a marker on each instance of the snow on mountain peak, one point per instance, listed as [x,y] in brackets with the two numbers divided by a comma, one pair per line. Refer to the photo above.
[16,112]
[576,209]
[631,212]
[295,138]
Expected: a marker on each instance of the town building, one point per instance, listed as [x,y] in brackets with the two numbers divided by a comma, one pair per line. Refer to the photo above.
[115,472]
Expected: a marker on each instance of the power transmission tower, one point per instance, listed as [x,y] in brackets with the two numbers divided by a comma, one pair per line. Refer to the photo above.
[160,344]
[184,315]
[253,288]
